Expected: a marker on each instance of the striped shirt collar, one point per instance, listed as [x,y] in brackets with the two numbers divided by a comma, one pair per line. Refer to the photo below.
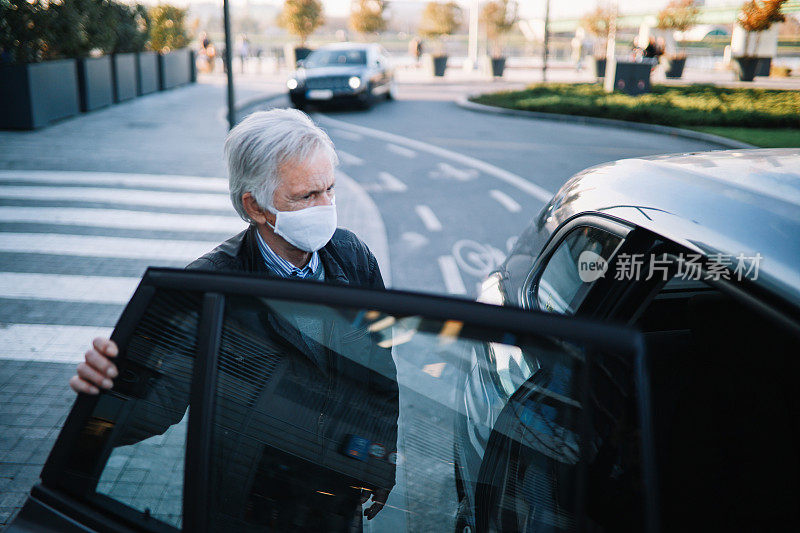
[284,268]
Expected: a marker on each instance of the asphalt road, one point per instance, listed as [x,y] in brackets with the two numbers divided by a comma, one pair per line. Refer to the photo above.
[455,187]
[448,190]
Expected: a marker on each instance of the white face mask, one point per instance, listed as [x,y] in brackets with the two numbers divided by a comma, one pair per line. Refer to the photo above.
[308,229]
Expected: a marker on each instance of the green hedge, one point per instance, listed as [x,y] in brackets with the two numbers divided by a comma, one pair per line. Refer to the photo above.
[688,105]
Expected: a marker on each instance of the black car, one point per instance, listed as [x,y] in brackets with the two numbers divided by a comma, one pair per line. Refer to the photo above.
[700,253]
[343,72]
[599,405]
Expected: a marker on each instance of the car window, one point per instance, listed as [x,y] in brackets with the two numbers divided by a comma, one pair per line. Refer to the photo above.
[328,58]
[578,261]
[140,426]
[310,394]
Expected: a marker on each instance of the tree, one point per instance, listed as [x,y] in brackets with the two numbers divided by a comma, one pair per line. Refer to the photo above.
[167,28]
[499,17]
[678,15]
[132,28]
[23,31]
[598,23]
[439,19]
[366,16]
[301,17]
[76,28]
[757,16]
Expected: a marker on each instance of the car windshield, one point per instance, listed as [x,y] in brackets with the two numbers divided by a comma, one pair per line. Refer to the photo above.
[332,58]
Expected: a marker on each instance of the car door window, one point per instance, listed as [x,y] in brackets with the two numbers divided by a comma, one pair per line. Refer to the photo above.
[571,270]
[304,395]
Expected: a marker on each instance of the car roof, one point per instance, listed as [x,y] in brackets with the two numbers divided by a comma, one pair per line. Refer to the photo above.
[727,202]
[347,46]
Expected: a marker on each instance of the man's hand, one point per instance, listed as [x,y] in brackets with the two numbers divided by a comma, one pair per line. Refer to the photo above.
[97,371]
[379,497]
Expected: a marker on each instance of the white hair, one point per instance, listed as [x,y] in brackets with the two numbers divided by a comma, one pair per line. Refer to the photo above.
[258,147]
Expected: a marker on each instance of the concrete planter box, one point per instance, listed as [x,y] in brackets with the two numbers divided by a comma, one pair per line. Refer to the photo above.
[498,66]
[599,67]
[437,65]
[95,82]
[36,94]
[673,66]
[175,68]
[147,66]
[633,77]
[125,76]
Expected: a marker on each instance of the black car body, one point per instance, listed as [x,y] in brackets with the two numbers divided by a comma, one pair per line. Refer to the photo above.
[343,72]
[721,350]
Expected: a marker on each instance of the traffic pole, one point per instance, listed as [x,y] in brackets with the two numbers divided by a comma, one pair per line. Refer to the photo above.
[229,64]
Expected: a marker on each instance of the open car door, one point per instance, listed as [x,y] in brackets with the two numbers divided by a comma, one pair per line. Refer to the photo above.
[246,404]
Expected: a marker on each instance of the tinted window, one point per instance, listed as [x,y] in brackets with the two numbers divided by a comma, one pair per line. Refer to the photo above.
[140,426]
[303,407]
[328,58]
[573,268]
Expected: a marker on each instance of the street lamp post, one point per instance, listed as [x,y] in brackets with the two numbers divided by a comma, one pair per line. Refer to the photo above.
[229,63]
[472,48]
[546,47]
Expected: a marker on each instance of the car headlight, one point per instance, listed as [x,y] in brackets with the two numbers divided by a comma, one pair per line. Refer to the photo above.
[354,82]
[292,84]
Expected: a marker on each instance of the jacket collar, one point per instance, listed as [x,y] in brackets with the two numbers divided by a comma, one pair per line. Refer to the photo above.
[252,261]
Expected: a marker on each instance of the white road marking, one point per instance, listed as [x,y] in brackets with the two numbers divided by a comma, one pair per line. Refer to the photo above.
[33,342]
[117,180]
[428,218]
[413,240]
[390,183]
[349,135]
[64,288]
[509,177]
[349,159]
[445,171]
[121,219]
[505,200]
[91,246]
[119,196]
[451,275]
[400,150]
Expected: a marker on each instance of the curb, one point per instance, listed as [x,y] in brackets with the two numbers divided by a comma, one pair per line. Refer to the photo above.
[465,103]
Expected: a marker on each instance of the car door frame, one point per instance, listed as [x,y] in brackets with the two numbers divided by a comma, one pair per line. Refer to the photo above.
[214,286]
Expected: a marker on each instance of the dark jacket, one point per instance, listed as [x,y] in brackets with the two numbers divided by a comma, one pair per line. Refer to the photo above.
[275,395]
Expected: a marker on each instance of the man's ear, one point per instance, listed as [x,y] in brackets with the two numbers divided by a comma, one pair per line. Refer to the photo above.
[254,211]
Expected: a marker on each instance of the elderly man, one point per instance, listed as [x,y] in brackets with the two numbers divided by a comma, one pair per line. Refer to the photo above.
[281,171]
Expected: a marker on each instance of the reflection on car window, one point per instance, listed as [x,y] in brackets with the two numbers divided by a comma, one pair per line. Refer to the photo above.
[328,58]
[573,268]
[142,422]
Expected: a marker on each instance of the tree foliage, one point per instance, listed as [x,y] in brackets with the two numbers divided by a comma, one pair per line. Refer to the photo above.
[598,21]
[167,28]
[499,17]
[439,19]
[36,30]
[760,15]
[301,17]
[131,26]
[679,15]
[23,26]
[367,16]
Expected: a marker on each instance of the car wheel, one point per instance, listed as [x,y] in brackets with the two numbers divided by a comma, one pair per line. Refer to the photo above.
[391,94]
[367,99]
[298,103]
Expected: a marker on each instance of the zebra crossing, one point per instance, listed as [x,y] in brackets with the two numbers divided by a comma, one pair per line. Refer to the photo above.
[73,246]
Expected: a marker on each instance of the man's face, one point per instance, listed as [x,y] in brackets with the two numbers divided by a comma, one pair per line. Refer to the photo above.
[305,184]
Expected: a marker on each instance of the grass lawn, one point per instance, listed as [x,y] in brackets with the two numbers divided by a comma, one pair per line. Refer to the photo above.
[763,137]
[762,117]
